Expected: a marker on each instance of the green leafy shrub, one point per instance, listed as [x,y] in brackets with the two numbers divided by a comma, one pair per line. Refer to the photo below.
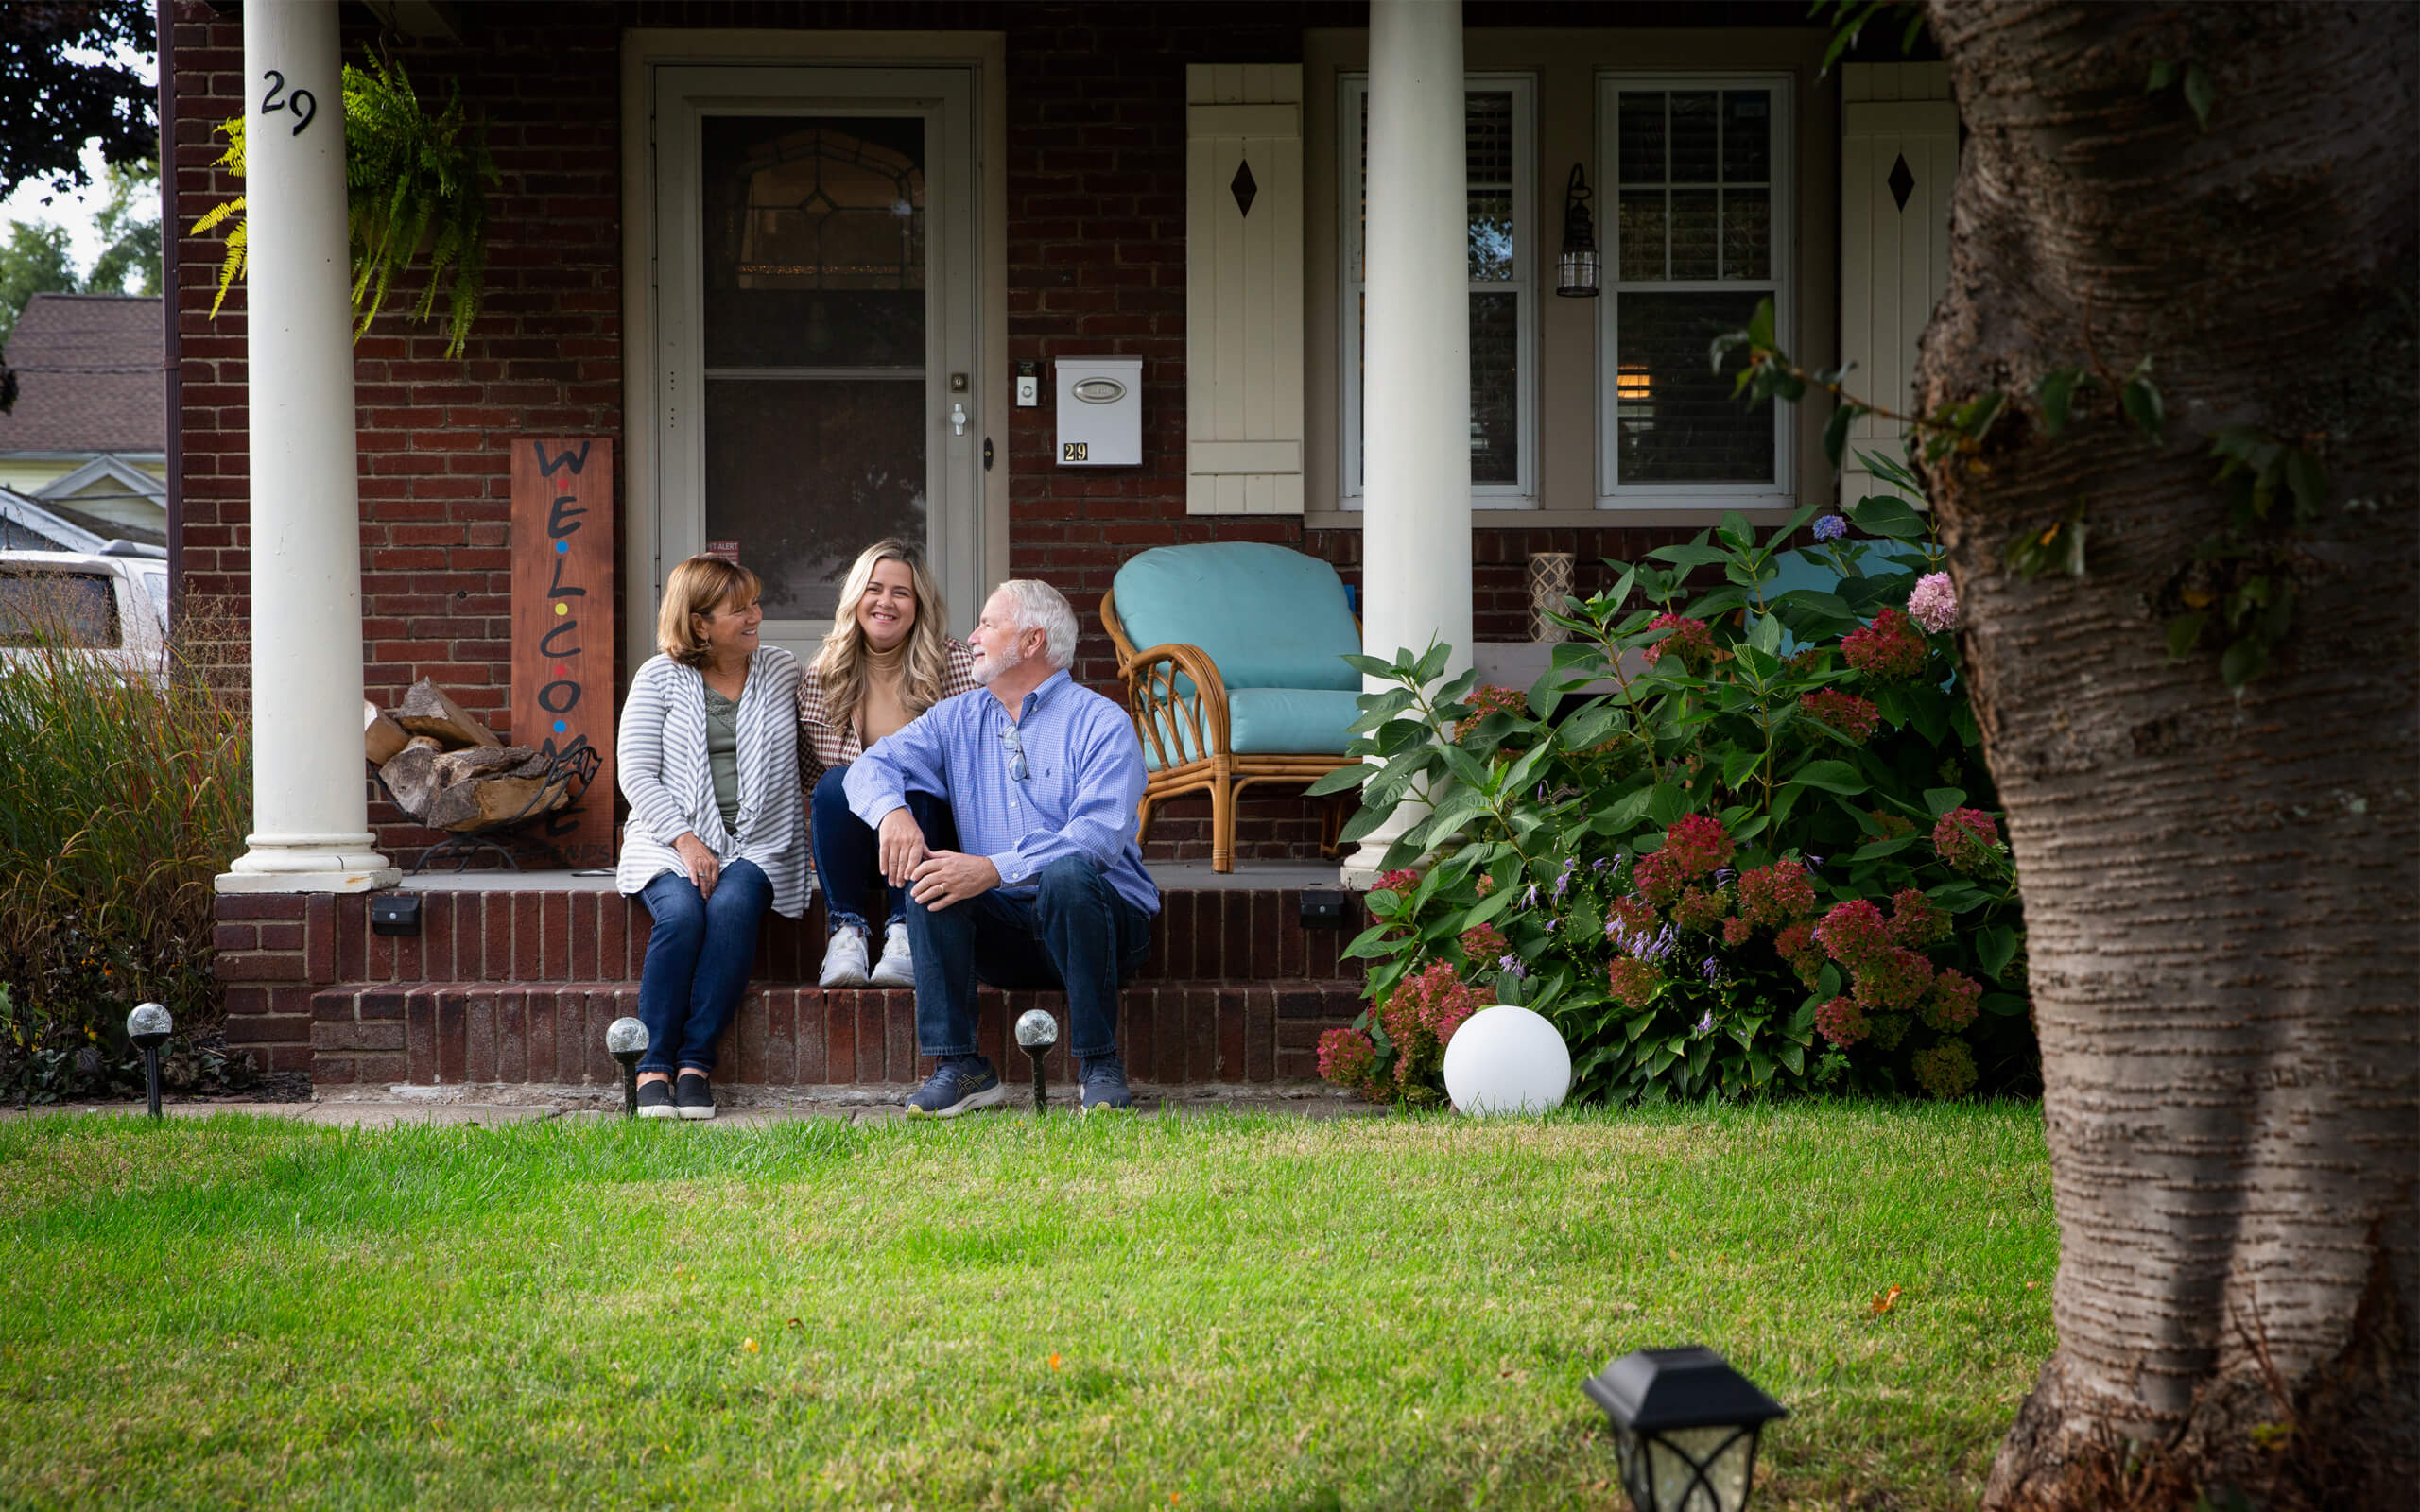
[119,801]
[1735,841]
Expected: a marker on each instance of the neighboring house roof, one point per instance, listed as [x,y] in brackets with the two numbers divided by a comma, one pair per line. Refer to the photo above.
[27,525]
[88,376]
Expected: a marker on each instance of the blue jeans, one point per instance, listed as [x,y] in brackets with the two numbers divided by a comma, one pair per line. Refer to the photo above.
[846,850]
[698,956]
[1076,933]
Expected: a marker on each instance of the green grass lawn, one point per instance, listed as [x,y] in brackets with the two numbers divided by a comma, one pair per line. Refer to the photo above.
[1215,1311]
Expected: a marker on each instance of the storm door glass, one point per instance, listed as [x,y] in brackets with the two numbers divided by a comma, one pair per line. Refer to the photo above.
[815,315]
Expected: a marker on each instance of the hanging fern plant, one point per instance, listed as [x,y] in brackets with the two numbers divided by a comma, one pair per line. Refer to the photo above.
[413,183]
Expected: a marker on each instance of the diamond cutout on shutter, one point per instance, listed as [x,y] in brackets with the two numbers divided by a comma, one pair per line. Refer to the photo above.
[1902,182]
[1243,188]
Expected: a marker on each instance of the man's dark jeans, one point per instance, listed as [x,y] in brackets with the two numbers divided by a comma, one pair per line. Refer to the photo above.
[698,956]
[846,847]
[1076,934]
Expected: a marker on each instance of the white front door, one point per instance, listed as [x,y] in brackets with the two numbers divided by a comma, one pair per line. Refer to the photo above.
[817,359]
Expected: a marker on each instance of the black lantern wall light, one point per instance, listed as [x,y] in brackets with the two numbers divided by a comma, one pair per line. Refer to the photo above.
[1685,1426]
[1576,271]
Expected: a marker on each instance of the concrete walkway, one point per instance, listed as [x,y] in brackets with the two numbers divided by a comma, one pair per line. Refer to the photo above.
[856,1105]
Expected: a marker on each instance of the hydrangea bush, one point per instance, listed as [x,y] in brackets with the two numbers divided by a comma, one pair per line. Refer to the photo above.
[1764,863]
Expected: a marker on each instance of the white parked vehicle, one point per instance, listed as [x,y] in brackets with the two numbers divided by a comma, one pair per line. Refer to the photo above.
[113,603]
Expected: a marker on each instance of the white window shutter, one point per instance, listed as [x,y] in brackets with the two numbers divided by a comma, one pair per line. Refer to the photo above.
[1243,288]
[1898,159]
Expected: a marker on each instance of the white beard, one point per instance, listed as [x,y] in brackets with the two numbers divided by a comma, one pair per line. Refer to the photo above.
[991,663]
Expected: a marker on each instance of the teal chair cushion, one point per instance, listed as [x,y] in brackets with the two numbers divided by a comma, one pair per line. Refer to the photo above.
[1269,617]
[1279,722]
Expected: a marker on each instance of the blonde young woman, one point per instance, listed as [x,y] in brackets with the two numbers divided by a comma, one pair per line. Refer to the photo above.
[886,659]
[707,756]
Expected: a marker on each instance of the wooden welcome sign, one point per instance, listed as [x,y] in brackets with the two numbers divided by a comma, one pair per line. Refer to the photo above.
[562,624]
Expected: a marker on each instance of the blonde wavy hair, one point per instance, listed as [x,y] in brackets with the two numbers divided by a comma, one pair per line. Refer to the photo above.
[841,663]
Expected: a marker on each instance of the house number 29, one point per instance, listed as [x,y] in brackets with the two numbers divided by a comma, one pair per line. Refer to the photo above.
[1076,452]
[301,101]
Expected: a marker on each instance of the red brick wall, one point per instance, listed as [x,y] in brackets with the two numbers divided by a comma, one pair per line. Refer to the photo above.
[1095,264]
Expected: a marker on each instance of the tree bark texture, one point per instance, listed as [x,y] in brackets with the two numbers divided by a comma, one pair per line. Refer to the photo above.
[2219,891]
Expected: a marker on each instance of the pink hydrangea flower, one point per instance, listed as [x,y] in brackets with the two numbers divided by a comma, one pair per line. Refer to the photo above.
[1965,839]
[1853,716]
[1951,1006]
[1701,910]
[1632,981]
[1887,650]
[1916,920]
[1347,1059]
[1934,604]
[1735,932]
[1692,638]
[1484,942]
[1853,934]
[1659,877]
[1776,894]
[1631,915]
[1897,980]
[1842,1021]
[1697,844]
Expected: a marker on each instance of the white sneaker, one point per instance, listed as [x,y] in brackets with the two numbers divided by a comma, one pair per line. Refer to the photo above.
[844,960]
[897,967]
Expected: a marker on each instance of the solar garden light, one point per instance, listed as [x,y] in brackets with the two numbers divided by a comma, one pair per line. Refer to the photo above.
[1686,1427]
[149,1026]
[1037,1031]
[626,1040]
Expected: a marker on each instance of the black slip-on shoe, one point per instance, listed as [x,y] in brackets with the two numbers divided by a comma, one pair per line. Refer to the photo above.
[693,1096]
[655,1100]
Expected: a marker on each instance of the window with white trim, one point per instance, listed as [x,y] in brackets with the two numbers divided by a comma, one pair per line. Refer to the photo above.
[1499,117]
[1696,234]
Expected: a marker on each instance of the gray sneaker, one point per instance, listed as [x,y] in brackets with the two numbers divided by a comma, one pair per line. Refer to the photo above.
[1104,1083]
[959,1085]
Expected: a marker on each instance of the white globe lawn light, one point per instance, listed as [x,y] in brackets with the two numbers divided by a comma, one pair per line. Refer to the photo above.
[149,1026]
[626,1039]
[1507,1059]
[1037,1031]
[1685,1426]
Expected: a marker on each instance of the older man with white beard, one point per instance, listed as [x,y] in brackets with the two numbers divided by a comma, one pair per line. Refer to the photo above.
[1048,890]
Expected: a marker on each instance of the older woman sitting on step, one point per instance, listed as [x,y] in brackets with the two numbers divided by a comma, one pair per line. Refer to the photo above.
[707,755]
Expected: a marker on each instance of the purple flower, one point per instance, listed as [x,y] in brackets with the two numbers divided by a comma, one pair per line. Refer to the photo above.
[1563,881]
[1723,875]
[1510,966]
[1831,527]
[1705,1025]
[1712,970]
[1529,899]
[1934,604]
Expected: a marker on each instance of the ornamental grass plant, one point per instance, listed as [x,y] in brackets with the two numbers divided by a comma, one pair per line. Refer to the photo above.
[119,801]
[1736,841]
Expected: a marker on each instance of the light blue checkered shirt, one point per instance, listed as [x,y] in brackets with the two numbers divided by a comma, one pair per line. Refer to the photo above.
[1084,776]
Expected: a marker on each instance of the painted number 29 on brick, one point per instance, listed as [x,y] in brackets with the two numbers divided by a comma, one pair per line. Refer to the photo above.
[1076,452]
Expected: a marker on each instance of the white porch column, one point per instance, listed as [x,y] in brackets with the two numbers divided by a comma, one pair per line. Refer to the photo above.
[310,813]
[1416,379]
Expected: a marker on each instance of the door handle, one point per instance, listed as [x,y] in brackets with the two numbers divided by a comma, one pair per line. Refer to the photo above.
[957,419]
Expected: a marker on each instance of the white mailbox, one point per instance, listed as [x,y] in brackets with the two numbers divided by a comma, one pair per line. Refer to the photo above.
[1101,411]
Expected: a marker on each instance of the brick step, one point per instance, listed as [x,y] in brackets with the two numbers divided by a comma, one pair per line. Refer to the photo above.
[591,933]
[788,1033]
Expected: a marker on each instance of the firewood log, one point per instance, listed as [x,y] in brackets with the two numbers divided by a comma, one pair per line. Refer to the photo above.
[381,737]
[426,710]
[484,800]
[411,776]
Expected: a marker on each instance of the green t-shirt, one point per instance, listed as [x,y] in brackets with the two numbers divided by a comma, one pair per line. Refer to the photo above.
[722,754]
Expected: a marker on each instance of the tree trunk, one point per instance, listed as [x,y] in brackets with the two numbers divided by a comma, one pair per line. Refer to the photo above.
[2219,891]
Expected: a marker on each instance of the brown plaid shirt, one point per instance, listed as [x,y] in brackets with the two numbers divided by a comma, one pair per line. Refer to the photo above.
[826,744]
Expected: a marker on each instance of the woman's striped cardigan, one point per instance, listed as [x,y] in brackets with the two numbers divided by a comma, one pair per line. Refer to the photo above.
[660,760]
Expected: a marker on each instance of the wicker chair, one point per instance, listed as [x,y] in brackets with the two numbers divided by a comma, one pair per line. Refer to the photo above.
[1240,679]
